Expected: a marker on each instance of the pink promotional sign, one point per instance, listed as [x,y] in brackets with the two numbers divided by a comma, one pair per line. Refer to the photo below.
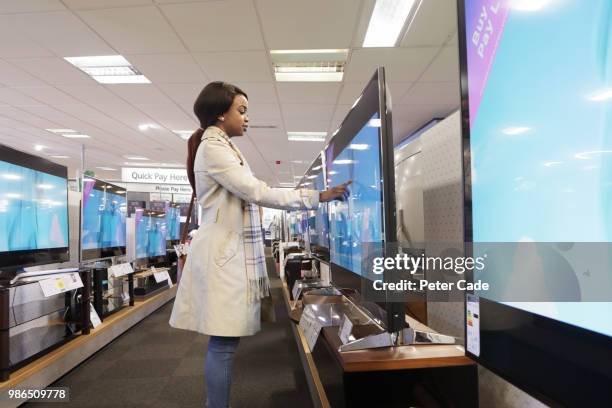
[485,20]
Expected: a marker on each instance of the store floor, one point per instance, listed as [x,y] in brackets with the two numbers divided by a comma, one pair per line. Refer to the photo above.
[154,365]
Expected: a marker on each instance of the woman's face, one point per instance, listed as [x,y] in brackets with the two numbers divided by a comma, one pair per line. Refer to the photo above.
[236,119]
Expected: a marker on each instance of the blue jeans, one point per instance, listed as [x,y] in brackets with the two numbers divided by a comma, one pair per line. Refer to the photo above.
[218,370]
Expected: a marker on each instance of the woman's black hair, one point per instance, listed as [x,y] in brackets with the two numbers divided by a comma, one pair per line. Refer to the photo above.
[215,99]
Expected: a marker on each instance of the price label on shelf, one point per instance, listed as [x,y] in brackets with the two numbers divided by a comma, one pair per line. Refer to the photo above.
[162,276]
[120,270]
[60,284]
[310,326]
[125,297]
[297,290]
[93,317]
[345,329]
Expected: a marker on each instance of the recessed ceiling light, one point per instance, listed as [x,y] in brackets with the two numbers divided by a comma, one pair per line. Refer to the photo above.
[387,21]
[61,131]
[59,156]
[109,69]
[106,168]
[76,136]
[136,158]
[146,126]
[313,76]
[39,148]
[307,136]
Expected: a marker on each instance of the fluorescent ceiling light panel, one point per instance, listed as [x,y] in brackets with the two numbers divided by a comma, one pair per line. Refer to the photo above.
[601,96]
[39,148]
[387,21]
[307,136]
[146,126]
[136,158]
[59,156]
[60,131]
[109,69]
[76,136]
[106,168]
[309,76]
[515,130]
[322,51]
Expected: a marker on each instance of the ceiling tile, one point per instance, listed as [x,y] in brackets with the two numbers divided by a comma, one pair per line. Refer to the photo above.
[302,92]
[63,33]
[229,25]
[247,66]
[47,94]
[445,67]
[314,112]
[312,24]
[53,70]
[262,113]
[97,4]
[12,97]
[422,113]
[433,25]
[30,6]
[11,75]
[140,94]
[183,94]
[401,64]
[91,94]
[259,92]
[170,116]
[431,93]
[134,30]
[15,44]
[169,68]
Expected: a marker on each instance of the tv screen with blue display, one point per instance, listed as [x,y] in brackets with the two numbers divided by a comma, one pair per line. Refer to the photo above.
[151,231]
[172,213]
[361,152]
[317,220]
[537,126]
[103,232]
[33,210]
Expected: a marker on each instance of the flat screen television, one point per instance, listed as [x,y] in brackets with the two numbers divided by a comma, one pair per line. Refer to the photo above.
[33,211]
[103,232]
[361,150]
[536,81]
[151,231]
[172,213]
[317,220]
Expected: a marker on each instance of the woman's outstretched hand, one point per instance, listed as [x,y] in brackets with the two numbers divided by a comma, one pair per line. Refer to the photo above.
[340,192]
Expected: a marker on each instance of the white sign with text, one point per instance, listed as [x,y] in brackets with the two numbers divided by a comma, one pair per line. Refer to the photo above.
[154,176]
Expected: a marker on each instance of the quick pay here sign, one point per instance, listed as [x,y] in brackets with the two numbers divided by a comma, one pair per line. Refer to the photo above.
[154,176]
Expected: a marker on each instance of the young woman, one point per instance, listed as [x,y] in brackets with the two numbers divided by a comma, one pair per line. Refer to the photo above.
[225,275]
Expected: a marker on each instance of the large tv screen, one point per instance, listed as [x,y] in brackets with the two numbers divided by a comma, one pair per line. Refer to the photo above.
[103,231]
[151,231]
[536,86]
[33,210]
[317,223]
[361,151]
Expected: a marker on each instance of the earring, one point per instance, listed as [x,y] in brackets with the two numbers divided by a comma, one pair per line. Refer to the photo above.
[221,118]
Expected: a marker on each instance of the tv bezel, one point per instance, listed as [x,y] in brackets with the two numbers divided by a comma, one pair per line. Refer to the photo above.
[534,367]
[96,254]
[12,261]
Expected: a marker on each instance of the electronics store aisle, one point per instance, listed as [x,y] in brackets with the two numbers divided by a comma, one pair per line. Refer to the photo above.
[154,365]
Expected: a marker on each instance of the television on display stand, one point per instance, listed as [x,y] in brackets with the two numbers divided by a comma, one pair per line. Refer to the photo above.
[361,150]
[33,214]
[537,136]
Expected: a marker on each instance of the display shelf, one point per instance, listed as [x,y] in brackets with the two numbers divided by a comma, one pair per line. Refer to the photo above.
[52,366]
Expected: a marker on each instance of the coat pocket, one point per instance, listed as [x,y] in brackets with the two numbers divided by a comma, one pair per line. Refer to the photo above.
[228,248]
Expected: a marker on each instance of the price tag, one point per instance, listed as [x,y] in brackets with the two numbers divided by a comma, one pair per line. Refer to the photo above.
[60,284]
[297,290]
[345,329]
[120,270]
[169,279]
[160,276]
[125,297]
[310,326]
[93,317]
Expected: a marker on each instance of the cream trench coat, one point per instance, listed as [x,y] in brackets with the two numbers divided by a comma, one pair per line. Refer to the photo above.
[212,294]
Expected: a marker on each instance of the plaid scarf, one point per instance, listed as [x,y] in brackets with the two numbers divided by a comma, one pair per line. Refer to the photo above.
[258,284]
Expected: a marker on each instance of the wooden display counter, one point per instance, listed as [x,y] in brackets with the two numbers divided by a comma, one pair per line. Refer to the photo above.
[419,375]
